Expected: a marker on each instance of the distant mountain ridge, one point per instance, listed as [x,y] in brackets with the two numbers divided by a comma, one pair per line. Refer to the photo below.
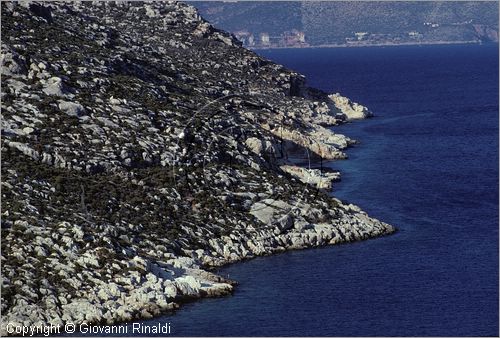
[295,24]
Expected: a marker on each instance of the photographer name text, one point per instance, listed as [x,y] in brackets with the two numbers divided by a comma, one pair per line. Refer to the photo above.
[85,328]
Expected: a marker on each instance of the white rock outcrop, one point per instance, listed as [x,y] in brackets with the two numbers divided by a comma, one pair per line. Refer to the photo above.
[54,86]
[351,110]
[321,179]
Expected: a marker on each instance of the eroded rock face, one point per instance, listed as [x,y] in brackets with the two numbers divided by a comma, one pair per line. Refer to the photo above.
[317,177]
[141,145]
[351,110]
[54,86]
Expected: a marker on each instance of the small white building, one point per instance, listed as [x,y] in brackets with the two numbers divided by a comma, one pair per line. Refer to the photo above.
[415,34]
[361,35]
[264,38]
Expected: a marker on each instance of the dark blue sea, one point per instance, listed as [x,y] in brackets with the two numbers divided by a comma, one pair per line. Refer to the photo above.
[428,164]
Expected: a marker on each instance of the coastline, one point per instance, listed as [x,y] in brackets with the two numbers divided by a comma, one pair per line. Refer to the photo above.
[104,233]
[177,280]
[163,285]
[428,43]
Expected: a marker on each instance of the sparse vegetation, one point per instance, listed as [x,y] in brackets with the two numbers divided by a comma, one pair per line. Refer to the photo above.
[139,150]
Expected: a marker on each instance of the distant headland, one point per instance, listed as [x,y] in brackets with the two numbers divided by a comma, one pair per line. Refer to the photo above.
[353,23]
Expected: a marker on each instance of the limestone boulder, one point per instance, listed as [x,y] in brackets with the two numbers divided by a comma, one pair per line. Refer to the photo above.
[351,110]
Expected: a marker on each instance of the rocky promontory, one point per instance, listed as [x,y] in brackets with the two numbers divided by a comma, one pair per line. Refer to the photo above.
[140,148]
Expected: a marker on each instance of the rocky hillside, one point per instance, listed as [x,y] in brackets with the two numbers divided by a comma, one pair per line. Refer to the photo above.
[141,147]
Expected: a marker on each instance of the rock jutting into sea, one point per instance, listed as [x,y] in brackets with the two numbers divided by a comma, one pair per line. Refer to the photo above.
[141,147]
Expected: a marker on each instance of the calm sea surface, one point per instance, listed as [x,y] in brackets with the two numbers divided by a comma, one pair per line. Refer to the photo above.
[428,164]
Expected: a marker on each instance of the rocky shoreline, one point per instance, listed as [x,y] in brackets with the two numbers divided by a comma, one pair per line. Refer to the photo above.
[142,147]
